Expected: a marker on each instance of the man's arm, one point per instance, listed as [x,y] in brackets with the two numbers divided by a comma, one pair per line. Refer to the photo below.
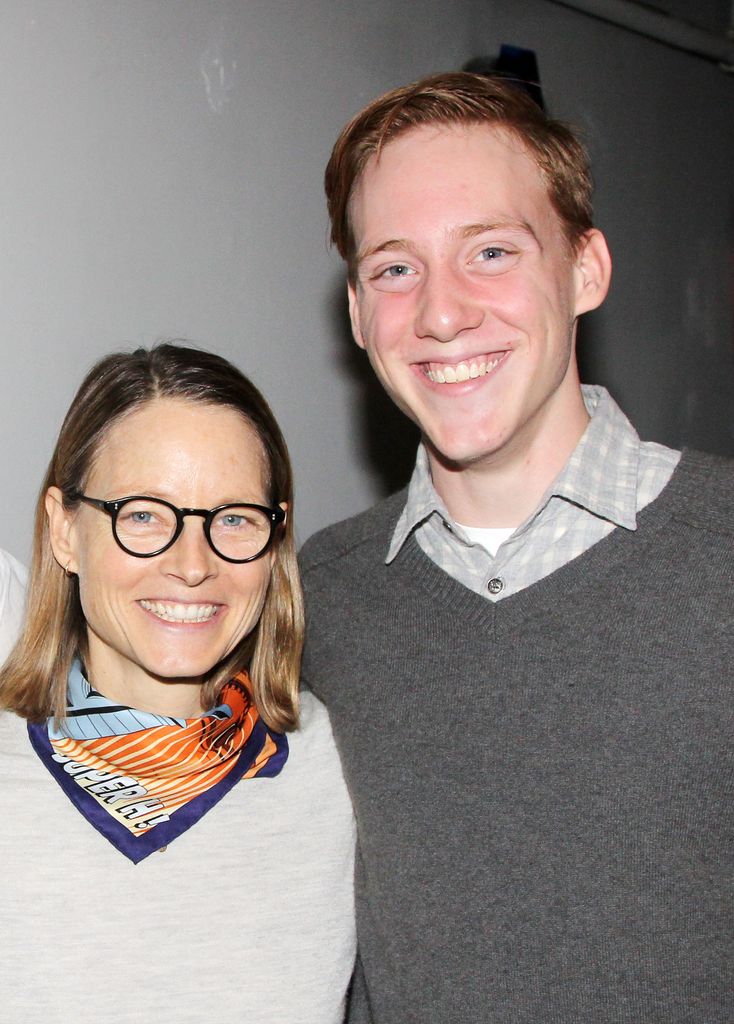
[358,1008]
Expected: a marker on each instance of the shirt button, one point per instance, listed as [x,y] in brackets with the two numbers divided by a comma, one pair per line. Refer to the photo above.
[496,585]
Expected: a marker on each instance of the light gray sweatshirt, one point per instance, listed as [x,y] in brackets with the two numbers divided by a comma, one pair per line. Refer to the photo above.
[246,917]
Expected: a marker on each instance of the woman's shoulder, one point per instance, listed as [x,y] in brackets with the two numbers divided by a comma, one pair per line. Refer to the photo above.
[13,730]
[16,752]
[313,714]
[314,728]
[312,751]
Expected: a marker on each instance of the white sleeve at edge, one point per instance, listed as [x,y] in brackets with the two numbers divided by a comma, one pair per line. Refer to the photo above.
[12,601]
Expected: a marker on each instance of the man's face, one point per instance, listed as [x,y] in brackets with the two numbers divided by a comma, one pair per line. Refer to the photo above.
[466,291]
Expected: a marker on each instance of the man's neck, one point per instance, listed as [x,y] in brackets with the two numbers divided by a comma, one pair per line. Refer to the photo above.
[504,488]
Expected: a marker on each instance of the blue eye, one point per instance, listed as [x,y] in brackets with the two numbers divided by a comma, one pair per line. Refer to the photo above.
[492,252]
[496,259]
[397,270]
[137,517]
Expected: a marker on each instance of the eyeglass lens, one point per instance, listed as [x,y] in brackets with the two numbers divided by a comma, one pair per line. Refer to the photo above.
[146,525]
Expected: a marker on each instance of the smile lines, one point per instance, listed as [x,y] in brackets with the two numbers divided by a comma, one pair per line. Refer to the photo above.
[175,612]
[444,373]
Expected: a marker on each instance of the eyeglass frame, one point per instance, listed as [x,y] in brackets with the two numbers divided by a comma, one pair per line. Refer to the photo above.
[276,516]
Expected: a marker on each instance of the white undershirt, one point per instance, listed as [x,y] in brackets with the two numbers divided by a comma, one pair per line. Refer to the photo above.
[490,537]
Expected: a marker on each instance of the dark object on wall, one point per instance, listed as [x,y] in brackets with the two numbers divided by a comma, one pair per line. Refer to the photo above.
[515,63]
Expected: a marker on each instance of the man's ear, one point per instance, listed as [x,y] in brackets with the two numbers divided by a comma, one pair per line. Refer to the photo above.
[60,522]
[593,271]
[354,314]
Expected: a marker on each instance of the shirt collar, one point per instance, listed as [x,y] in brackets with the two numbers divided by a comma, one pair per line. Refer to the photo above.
[600,476]
[421,503]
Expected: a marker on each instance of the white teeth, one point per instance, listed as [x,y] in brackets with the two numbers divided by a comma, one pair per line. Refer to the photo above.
[448,374]
[180,612]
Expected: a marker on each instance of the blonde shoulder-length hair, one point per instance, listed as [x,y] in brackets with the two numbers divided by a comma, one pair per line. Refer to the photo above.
[34,678]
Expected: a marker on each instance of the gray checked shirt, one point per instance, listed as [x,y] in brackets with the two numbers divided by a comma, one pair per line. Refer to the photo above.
[610,476]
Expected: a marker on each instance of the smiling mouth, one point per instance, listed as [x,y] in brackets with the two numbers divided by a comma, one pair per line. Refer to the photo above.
[457,373]
[175,612]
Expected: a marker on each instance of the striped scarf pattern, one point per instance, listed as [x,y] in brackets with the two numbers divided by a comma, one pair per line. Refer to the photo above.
[143,779]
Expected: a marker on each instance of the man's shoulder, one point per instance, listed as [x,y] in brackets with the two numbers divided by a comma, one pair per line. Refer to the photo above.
[360,535]
[705,488]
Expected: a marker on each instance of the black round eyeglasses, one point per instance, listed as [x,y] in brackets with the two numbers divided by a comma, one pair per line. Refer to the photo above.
[145,527]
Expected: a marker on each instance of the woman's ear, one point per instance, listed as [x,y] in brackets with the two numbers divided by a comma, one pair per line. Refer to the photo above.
[593,271]
[60,522]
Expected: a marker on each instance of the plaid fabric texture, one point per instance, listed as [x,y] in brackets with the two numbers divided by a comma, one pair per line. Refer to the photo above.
[609,478]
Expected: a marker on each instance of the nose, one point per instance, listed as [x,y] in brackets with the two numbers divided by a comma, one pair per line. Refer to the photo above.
[445,306]
[190,559]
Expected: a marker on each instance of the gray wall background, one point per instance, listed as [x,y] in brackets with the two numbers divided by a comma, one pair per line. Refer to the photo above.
[161,177]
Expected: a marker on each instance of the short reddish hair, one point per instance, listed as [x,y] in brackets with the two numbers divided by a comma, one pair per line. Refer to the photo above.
[460,98]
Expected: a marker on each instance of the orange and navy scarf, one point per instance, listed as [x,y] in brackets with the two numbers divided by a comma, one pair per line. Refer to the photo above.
[143,779]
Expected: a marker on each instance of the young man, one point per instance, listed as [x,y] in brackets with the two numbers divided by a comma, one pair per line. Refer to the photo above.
[527,655]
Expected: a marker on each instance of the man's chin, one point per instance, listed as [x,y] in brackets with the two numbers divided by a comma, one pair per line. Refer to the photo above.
[455,456]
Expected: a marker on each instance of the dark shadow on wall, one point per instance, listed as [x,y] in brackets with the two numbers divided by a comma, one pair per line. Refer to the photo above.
[688,406]
[588,350]
[707,399]
[385,439]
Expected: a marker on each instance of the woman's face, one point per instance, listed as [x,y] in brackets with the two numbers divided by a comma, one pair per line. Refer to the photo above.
[145,649]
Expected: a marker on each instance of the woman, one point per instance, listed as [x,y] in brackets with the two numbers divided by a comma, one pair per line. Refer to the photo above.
[168,852]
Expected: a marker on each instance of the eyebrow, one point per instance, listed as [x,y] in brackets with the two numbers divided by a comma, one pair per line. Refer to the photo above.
[472,230]
[467,231]
[389,246]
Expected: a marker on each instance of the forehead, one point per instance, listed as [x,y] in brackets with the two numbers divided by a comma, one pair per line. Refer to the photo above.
[427,168]
[169,441]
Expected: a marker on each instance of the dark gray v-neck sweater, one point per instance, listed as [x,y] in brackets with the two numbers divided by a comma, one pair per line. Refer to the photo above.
[543,786]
